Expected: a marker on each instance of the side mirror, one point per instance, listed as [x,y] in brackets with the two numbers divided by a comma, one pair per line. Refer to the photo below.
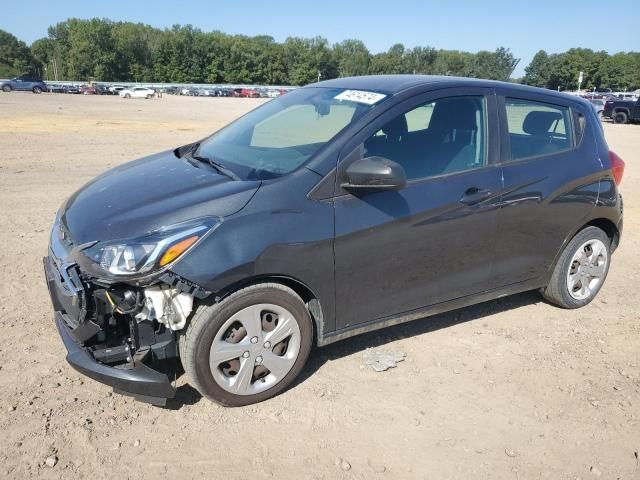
[374,174]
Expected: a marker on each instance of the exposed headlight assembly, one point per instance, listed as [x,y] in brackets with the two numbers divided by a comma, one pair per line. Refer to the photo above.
[155,250]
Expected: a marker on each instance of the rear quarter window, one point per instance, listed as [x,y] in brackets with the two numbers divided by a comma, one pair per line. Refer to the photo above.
[537,128]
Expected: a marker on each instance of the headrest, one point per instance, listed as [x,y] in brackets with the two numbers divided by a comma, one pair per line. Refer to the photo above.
[458,113]
[396,128]
[538,122]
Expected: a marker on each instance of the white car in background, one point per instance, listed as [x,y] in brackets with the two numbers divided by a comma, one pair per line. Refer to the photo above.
[137,92]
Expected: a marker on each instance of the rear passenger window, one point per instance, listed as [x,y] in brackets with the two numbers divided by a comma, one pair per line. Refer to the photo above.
[537,128]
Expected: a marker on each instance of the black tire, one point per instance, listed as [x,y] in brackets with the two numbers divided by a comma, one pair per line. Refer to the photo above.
[6,88]
[126,95]
[620,117]
[37,90]
[196,339]
[557,291]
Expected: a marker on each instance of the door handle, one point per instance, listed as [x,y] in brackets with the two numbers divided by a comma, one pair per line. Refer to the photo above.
[474,195]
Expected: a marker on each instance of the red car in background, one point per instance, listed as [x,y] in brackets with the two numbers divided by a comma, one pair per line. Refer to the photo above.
[87,90]
[244,92]
[249,93]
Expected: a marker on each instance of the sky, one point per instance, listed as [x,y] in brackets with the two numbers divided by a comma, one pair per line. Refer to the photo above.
[523,27]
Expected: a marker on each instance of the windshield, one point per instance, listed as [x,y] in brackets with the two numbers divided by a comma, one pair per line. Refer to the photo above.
[284,133]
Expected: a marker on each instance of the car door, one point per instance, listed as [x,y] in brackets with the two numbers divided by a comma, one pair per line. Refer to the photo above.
[434,240]
[551,175]
[635,112]
[19,84]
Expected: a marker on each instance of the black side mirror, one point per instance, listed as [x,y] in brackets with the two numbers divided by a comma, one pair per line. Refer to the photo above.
[374,174]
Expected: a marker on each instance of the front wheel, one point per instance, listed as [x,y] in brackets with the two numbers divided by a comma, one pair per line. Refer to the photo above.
[581,269]
[249,347]
[126,95]
[37,90]
[6,88]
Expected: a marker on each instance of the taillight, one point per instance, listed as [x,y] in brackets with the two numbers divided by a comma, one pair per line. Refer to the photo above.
[617,166]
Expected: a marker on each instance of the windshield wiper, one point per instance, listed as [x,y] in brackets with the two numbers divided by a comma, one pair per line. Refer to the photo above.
[219,167]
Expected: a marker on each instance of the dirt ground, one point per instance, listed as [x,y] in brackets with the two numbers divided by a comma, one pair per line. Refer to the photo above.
[512,388]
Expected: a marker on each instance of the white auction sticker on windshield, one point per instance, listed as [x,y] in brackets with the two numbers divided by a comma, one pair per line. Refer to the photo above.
[360,96]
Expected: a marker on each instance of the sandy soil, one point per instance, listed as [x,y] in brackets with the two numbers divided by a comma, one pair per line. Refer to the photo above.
[513,388]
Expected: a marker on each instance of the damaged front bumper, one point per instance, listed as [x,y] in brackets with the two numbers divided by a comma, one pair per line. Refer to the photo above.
[137,379]
[113,349]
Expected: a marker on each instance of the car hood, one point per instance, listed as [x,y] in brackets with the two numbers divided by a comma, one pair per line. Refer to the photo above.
[140,196]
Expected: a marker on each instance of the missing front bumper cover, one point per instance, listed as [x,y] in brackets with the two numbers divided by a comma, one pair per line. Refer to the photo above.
[139,380]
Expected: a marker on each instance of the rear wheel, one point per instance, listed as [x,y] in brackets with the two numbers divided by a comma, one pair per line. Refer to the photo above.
[127,95]
[37,90]
[620,117]
[249,347]
[6,88]
[581,269]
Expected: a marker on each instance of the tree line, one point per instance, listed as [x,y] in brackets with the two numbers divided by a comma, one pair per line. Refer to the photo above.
[122,51]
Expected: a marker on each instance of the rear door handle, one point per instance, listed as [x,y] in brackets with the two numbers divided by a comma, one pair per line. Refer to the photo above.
[474,195]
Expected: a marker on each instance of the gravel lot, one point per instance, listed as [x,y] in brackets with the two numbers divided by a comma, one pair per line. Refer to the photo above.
[513,388]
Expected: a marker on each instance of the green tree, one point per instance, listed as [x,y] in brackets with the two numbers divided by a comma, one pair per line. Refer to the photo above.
[352,58]
[538,71]
[15,57]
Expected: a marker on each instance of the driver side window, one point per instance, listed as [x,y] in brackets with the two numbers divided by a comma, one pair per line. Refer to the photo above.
[440,137]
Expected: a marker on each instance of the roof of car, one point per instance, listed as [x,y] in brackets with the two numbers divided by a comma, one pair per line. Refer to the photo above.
[392,84]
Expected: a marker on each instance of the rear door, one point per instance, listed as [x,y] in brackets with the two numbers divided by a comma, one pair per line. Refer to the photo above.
[551,174]
[434,240]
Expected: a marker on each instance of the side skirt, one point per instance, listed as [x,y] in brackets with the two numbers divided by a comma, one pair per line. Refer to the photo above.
[429,311]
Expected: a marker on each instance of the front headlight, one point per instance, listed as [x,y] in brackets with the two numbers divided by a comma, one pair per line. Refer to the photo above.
[152,251]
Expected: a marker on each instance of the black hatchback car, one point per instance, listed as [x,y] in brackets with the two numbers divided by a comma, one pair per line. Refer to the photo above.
[339,208]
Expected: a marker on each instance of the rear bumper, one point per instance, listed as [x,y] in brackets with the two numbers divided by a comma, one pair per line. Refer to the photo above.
[138,380]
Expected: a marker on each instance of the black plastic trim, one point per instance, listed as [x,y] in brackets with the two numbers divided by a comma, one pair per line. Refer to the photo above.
[139,381]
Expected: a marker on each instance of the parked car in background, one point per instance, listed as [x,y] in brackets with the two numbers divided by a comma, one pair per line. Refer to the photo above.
[116,89]
[24,83]
[55,88]
[87,90]
[337,209]
[598,105]
[101,90]
[249,93]
[137,92]
[71,89]
[622,111]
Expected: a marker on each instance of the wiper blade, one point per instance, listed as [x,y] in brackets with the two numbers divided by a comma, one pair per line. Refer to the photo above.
[220,168]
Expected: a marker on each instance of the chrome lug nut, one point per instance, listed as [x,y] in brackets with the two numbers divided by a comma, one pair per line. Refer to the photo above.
[245,355]
[259,359]
[254,340]
[267,344]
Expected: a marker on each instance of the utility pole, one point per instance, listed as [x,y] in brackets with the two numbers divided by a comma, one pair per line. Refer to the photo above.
[579,82]
[319,75]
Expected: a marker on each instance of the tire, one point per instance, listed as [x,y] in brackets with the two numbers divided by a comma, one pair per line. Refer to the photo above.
[126,95]
[558,291]
[6,88]
[620,117]
[37,90]
[218,324]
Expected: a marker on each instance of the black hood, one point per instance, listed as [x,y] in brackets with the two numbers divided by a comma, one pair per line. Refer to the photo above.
[140,196]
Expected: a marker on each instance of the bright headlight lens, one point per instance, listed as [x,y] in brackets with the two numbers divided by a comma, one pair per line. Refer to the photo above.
[122,259]
[156,249]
